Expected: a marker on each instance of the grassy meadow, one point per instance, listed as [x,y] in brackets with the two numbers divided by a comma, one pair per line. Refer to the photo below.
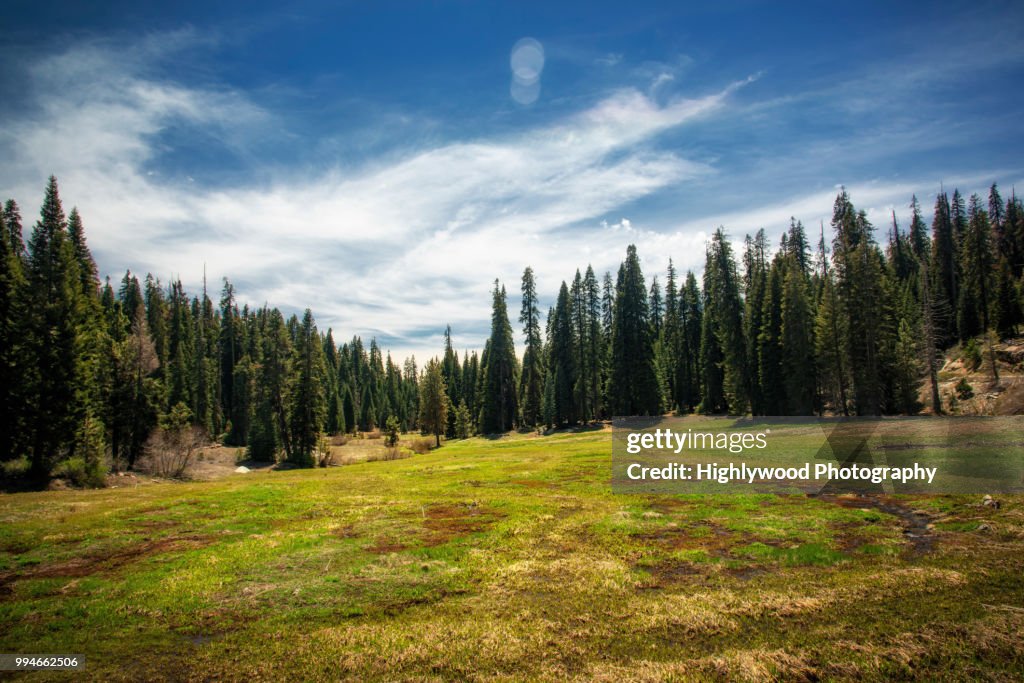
[507,559]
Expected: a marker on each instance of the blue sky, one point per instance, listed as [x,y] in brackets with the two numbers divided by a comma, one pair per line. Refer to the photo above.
[383,162]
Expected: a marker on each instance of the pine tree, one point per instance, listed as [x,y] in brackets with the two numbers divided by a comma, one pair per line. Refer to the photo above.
[463,421]
[944,272]
[724,315]
[205,382]
[580,321]
[977,264]
[918,235]
[157,317]
[633,384]
[452,379]
[181,348]
[13,350]
[1006,308]
[769,343]
[859,285]
[410,377]
[561,369]
[433,401]
[499,409]
[798,249]
[829,338]
[268,430]
[531,388]
[797,341]
[53,286]
[907,369]
[230,343]
[594,355]
[668,355]
[607,314]
[87,273]
[1015,228]
[1004,242]
[965,309]
[755,285]
[691,309]
[657,308]
[13,234]
[930,340]
[335,420]
[134,403]
[308,405]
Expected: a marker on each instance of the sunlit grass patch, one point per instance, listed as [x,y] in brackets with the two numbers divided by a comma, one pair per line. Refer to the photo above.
[506,559]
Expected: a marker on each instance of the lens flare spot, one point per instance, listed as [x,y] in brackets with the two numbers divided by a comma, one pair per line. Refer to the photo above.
[527,60]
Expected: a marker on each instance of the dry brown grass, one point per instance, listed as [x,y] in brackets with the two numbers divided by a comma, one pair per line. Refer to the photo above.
[389,453]
[421,444]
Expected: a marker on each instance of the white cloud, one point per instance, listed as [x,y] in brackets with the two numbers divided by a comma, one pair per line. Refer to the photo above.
[390,249]
[400,246]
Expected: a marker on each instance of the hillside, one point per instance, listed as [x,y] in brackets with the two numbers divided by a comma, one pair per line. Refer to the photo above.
[507,558]
[988,398]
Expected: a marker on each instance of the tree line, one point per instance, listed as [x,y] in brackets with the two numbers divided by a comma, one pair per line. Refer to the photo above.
[90,371]
[848,327]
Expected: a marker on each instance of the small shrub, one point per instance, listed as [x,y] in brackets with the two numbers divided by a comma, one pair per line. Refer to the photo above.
[339,439]
[964,390]
[373,434]
[88,468]
[81,472]
[15,469]
[391,430]
[971,355]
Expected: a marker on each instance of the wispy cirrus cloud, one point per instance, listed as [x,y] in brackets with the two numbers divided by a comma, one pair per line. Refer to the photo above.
[387,249]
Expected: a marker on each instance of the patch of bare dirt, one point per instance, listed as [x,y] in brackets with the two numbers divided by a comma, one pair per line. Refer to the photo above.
[667,504]
[106,562]
[383,546]
[717,543]
[445,522]
[673,573]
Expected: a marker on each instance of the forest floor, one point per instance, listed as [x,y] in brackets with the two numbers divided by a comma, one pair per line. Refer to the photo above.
[507,558]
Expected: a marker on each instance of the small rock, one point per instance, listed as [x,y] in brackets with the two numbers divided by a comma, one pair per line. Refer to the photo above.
[984,527]
[242,469]
[990,502]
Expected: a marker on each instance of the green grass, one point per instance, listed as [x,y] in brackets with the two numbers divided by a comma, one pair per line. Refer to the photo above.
[506,558]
